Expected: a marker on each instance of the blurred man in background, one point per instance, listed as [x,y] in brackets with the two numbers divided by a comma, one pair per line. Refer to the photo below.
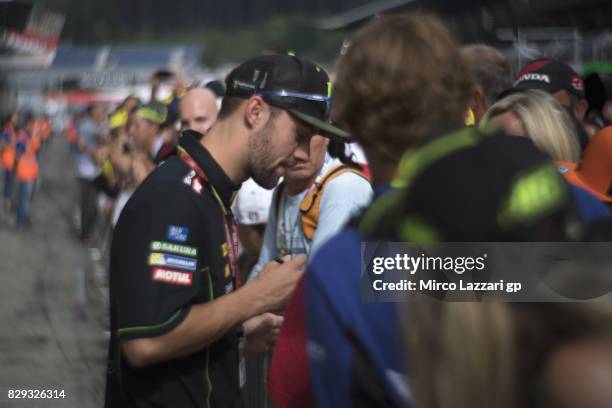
[198,110]
[492,74]
[563,83]
[91,131]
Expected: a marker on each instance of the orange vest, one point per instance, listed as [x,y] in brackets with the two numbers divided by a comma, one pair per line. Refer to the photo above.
[35,142]
[8,152]
[27,166]
[8,157]
[71,134]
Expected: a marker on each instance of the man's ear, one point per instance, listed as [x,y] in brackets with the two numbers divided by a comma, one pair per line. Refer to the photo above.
[580,109]
[256,112]
[478,103]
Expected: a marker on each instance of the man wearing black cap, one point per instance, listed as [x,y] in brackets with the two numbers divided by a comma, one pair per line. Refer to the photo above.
[562,82]
[177,304]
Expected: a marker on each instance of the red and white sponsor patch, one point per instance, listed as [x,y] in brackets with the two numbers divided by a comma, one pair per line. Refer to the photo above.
[196,185]
[172,277]
[577,84]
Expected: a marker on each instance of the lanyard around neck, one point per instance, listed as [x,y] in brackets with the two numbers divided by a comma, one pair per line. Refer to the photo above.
[229,222]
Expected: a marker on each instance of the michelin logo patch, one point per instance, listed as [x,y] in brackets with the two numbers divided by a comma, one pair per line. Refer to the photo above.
[172,261]
[160,246]
[172,277]
[177,233]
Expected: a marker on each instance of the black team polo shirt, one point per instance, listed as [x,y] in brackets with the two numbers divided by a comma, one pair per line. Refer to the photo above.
[168,253]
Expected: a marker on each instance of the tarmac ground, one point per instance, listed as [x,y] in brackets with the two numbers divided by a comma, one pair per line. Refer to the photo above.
[53,333]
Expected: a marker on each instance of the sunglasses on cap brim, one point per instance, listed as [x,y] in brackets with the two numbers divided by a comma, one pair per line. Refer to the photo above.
[307,97]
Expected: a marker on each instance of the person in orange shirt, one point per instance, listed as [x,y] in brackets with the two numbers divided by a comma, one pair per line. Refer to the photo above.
[26,169]
[7,157]
[46,128]
[72,135]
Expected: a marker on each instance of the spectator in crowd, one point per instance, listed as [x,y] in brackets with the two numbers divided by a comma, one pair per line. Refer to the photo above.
[170,135]
[72,134]
[129,105]
[8,154]
[351,344]
[389,104]
[167,88]
[594,172]
[251,210]
[147,139]
[491,73]
[120,157]
[26,168]
[198,110]
[314,201]
[146,126]
[91,132]
[563,83]
[433,206]
[136,147]
[316,198]
[538,116]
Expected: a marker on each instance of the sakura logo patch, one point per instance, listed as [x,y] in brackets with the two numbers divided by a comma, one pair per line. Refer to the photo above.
[172,277]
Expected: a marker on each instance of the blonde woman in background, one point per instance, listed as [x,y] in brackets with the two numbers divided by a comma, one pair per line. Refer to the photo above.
[538,116]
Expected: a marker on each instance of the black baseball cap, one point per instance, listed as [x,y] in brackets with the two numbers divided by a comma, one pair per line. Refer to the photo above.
[472,186]
[288,82]
[548,75]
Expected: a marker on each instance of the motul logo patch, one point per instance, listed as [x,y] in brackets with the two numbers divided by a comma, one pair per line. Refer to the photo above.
[172,277]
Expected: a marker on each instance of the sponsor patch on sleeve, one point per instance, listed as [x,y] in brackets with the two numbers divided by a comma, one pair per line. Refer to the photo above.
[172,277]
[177,233]
[172,261]
[161,246]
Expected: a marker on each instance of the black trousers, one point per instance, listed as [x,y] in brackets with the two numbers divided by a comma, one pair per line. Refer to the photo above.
[89,206]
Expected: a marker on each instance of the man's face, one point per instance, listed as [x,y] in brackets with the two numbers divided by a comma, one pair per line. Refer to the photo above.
[308,163]
[99,112]
[142,131]
[577,109]
[272,150]
[510,123]
[563,97]
[198,110]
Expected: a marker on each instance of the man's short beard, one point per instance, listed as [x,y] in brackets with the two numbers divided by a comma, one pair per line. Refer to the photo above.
[260,156]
